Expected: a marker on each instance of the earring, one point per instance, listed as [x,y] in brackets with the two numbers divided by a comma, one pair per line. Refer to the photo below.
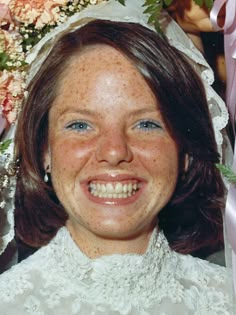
[46,178]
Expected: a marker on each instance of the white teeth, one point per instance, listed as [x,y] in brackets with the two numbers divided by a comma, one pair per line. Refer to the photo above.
[130,188]
[118,188]
[109,188]
[112,190]
[103,188]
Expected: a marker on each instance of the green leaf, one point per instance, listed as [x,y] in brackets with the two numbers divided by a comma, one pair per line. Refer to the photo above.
[150,9]
[149,2]
[152,19]
[153,9]
[158,28]
[227,172]
[168,2]
[199,2]
[121,2]
[5,145]
[4,58]
[209,3]
[33,35]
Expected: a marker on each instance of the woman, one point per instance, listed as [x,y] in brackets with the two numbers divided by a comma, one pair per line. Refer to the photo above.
[119,165]
[111,10]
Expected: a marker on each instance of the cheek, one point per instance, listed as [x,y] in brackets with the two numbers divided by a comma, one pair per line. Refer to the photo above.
[161,156]
[69,156]
[162,163]
[165,171]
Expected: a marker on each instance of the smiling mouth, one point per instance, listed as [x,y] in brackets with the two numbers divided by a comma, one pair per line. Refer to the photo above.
[115,190]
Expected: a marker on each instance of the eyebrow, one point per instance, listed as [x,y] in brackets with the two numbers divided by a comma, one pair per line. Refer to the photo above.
[79,111]
[92,113]
[145,111]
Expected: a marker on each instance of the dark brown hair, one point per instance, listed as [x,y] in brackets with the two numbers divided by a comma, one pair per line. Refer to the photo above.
[192,218]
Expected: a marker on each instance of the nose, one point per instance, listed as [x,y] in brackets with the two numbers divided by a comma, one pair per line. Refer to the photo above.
[113,148]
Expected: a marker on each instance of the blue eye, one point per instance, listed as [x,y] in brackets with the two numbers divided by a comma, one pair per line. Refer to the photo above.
[148,125]
[78,126]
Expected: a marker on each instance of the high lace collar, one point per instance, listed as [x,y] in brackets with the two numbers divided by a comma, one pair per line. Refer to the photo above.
[115,279]
[59,279]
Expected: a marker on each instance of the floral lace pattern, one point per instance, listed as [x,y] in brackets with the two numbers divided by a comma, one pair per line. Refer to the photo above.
[60,279]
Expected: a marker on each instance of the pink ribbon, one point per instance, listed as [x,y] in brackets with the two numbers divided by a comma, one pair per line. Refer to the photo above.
[229,28]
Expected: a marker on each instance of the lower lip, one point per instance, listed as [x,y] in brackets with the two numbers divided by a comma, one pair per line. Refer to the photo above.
[114,201]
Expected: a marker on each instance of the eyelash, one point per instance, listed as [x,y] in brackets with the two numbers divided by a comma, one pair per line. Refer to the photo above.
[78,126]
[154,125]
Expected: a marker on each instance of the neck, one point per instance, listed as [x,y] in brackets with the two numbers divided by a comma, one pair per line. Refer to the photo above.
[94,246]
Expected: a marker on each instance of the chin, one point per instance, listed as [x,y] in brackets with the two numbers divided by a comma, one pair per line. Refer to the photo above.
[115,232]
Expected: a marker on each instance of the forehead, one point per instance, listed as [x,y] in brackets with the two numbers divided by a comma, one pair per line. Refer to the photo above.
[103,68]
[100,58]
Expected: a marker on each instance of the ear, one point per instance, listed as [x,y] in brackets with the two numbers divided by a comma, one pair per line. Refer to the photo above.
[47,161]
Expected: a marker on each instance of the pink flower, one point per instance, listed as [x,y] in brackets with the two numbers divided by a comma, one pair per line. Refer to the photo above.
[38,12]
[8,110]
[10,42]
[12,87]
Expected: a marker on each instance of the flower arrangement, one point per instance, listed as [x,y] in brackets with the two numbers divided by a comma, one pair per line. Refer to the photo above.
[12,74]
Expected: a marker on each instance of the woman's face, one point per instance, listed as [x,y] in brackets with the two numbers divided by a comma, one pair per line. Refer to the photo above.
[113,163]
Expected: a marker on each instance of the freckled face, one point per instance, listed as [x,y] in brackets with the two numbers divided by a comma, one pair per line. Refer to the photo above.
[113,163]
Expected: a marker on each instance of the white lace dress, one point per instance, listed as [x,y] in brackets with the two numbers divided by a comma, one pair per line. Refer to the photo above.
[60,280]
